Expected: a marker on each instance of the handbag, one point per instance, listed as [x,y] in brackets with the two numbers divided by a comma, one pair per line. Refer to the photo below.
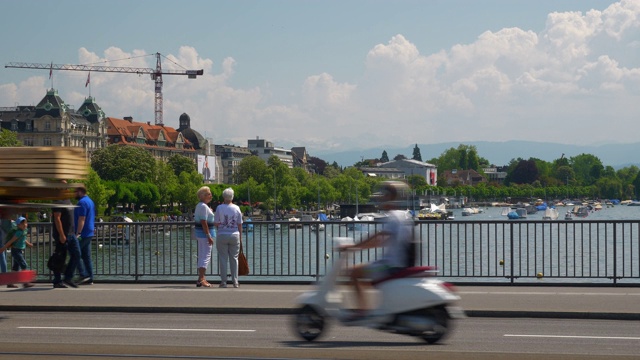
[243,265]
[57,261]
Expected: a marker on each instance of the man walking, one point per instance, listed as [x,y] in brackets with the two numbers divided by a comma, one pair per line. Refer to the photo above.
[84,217]
[66,242]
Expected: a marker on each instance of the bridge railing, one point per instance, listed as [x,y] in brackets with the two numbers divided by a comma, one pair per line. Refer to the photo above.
[502,251]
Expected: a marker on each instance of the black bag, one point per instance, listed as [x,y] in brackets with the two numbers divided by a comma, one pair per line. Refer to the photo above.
[57,261]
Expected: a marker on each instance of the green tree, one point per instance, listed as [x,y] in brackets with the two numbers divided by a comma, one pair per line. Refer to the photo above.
[416,153]
[525,172]
[180,163]
[252,167]
[123,163]
[186,195]
[587,168]
[167,182]
[97,190]
[9,138]
[384,158]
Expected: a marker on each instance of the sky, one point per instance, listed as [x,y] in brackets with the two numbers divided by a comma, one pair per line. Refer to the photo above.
[343,75]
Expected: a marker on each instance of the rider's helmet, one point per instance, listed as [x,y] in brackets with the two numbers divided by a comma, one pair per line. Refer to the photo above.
[391,193]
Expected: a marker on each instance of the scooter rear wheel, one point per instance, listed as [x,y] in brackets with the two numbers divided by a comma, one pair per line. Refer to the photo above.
[442,325]
[309,323]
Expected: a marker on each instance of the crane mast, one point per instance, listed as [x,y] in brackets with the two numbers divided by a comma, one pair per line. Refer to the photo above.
[156,75]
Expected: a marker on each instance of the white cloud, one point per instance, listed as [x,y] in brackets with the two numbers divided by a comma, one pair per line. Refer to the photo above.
[560,84]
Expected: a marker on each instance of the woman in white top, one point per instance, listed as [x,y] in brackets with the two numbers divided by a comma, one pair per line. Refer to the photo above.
[229,223]
[204,232]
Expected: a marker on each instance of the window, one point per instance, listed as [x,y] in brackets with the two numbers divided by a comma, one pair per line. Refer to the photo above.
[47,125]
[27,142]
[46,141]
[14,126]
[27,126]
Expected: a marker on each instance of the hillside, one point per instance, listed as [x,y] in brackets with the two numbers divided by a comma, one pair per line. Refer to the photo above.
[501,153]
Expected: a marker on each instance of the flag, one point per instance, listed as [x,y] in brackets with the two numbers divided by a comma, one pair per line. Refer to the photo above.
[51,70]
[88,79]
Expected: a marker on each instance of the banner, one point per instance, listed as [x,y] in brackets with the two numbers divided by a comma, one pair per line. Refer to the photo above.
[207,167]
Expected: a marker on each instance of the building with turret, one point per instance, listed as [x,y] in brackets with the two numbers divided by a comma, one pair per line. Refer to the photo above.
[52,122]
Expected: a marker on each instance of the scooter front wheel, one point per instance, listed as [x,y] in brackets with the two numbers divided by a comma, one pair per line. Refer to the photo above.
[442,325]
[309,323]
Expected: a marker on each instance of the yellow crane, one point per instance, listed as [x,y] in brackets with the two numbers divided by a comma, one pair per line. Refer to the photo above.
[156,75]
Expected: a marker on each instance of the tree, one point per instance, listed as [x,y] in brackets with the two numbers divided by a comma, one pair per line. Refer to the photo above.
[384,158]
[416,153]
[9,138]
[123,163]
[399,157]
[587,168]
[525,172]
[167,182]
[252,167]
[180,163]
[318,164]
[97,190]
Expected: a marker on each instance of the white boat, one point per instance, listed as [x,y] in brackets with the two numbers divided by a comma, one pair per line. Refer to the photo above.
[568,215]
[294,222]
[550,214]
[273,226]
[467,212]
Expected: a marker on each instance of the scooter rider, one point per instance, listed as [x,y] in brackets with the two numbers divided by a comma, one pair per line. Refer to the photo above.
[396,237]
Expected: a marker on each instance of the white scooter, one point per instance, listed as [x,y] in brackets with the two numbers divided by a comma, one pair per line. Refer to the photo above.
[411,302]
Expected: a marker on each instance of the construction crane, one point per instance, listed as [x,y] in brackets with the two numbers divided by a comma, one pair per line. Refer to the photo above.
[156,75]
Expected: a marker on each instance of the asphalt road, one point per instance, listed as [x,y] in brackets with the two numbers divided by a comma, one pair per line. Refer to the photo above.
[62,335]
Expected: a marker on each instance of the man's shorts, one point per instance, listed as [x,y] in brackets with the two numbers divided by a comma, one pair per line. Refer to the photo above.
[378,270]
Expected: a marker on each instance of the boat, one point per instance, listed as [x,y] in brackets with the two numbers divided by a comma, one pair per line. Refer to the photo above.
[568,215]
[467,212]
[581,211]
[294,223]
[247,226]
[550,214]
[519,213]
[273,226]
[505,211]
[433,212]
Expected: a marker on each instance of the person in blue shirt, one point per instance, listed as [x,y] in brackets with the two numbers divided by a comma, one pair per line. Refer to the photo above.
[84,217]
[18,243]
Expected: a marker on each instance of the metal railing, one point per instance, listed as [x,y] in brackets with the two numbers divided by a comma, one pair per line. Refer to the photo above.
[588,252]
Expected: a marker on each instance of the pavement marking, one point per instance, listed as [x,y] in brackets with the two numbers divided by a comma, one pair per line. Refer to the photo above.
[127,329]
[576,337]
[543,293]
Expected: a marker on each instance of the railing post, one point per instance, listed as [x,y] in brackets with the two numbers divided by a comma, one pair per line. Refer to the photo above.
[615,253]
[511,260]
[138,232]
[318,257]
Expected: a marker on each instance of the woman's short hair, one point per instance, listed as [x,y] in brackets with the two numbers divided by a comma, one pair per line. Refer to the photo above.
[202,192]
[227,194]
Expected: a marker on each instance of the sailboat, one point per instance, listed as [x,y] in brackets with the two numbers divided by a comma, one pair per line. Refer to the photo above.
[550,214]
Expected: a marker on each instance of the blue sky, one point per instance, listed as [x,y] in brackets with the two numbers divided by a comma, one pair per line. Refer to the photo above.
[340,75]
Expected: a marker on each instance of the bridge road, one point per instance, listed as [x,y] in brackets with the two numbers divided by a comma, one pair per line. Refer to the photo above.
[615,303]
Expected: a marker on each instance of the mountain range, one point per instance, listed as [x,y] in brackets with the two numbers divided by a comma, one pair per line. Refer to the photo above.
[499,153]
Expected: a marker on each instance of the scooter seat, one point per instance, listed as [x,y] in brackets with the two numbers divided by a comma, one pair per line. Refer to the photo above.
[414,271]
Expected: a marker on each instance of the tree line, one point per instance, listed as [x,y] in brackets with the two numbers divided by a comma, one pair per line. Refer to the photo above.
[130,177]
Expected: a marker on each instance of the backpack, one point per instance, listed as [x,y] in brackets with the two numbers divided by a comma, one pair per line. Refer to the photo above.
[11,232]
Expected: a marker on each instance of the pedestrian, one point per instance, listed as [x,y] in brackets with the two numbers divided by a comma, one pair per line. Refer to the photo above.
[18,242]
[84,218]
[65,242]
[229,224]
[204,233]
[5,227]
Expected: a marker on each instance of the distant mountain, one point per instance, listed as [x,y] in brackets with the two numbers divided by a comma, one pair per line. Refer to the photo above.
[500,153]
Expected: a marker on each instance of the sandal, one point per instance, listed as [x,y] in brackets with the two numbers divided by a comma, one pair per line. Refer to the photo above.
[203,283]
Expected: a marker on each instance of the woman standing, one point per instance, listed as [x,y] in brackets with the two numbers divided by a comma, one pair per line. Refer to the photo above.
[229,222]
[204,231]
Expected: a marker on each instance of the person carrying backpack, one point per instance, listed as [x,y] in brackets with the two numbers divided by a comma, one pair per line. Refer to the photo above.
[17,240]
